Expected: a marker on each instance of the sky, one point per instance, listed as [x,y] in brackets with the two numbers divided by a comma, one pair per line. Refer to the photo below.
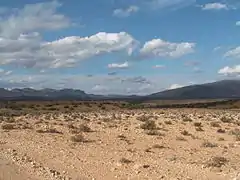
[118,46]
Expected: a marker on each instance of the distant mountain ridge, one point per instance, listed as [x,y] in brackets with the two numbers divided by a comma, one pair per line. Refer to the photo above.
[28,93]
[216,90]
[219,89]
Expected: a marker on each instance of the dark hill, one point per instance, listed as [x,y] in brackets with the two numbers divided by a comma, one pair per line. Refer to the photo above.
[216,90]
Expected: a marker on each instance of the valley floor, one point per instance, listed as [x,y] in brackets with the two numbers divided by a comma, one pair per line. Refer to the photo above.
[170,144]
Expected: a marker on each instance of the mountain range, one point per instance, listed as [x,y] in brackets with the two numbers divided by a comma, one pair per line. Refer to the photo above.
[217,90]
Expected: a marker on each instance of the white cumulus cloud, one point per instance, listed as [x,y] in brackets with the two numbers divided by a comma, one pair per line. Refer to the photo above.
[175,86]
[22,45]
[233,53]
[118,66]
[70,50]
[30,51]
[238,23]
[33,17]
[235,70]
[122,13]
[161,48]
[99,88]
[215,6]
[159,66]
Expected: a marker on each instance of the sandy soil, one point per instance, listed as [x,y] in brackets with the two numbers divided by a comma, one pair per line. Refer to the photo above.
[128,144]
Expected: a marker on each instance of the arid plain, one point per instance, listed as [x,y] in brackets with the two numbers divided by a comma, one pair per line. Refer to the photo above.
[104,141]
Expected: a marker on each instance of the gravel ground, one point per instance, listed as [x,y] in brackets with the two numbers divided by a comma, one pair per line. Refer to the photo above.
[125,144]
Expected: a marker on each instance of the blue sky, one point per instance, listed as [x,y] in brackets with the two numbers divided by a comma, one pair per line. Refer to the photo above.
[118,46]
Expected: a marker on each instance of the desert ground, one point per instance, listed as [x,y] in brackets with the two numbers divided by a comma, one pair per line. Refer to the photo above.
[65,142]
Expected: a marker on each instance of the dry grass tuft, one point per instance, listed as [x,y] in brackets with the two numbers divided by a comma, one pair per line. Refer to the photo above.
[125,161]
[226,119]
[149,125]
[185,133]
[157,146]
[187,119]
[122,137]
[221,131]
[215,124]
[143,118]
[26,126]
[180,138]
[199,129]
[208,144]
[154,133]
[78,138]
[85,128]
[8,126]
[49,130]
[168,122]
[221,139]
[197,124]
[217,161]
[236,133]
